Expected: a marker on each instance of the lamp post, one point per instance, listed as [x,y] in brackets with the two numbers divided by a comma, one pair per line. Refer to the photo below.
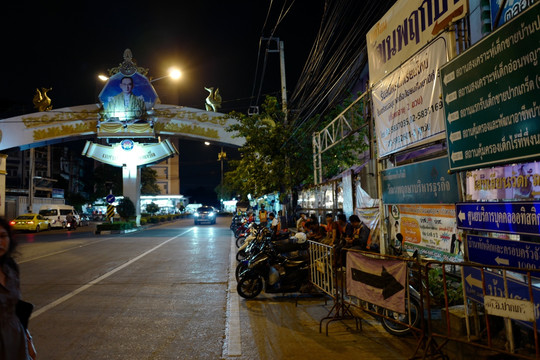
[221,157]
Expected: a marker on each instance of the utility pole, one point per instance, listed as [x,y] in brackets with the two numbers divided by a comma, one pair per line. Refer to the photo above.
[280,48]
[221,157]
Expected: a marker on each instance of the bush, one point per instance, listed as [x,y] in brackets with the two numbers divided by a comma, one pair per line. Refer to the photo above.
[121,225]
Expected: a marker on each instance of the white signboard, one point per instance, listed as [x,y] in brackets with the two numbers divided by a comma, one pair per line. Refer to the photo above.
[509,308]
[128,152]
[405,29]
[407,104]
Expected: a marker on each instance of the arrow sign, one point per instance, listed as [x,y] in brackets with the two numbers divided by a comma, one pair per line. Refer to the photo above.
[473,282]
[453,116]
[455,136]
[456,156]
[385,281]
[449,77]
[502,261]
[461,216]
[451,97]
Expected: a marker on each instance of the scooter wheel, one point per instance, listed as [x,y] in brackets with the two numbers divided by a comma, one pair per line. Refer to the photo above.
[240,241]
[248,288]
[397,326]
[240,269]
[240,255]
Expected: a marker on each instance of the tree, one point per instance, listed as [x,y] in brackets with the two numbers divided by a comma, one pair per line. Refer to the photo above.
[152,208]
[149,184]
[126,208]
[278,157]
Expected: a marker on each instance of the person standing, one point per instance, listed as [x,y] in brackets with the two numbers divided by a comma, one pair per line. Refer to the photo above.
[263,216]
[14,344]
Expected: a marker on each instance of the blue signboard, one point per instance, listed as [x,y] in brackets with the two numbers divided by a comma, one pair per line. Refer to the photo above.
[110,198]
[495,287]
[426,182]
[515,217]
[490,251]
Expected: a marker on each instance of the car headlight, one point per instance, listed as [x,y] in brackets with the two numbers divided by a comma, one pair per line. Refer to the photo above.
[196,214]
[211,214]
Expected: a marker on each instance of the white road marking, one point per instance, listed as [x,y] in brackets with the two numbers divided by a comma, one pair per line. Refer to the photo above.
[233,340]
[102,277]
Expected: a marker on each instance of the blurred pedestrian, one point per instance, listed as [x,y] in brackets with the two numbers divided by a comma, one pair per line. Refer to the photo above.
[15,340]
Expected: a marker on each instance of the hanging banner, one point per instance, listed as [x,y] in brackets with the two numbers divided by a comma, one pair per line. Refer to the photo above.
[511,182]
[407,103]
[430,229]
[405,29]
[380,282]
[426,182]
[491,95]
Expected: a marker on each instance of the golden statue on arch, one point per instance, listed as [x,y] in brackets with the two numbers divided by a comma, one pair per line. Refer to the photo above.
[213,101]
[41,101]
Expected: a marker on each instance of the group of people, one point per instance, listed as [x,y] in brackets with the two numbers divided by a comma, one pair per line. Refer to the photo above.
[340,233]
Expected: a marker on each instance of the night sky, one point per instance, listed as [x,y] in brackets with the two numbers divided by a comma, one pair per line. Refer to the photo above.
[66,44]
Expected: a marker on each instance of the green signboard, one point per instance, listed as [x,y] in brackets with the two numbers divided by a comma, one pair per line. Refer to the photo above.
[492,97]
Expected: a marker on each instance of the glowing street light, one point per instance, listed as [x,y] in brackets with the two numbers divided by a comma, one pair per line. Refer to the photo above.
[174,74]
[103,77]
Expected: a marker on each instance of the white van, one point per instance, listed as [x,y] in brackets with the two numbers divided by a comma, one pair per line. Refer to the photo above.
[56,214]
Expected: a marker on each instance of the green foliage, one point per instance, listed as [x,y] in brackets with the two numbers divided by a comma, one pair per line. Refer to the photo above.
[76,200]
[152,208]
[436,286]
[278,156]
[149,184]
[126,208]
[119,225]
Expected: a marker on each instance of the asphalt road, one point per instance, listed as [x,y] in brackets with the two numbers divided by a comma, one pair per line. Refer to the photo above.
[168,292]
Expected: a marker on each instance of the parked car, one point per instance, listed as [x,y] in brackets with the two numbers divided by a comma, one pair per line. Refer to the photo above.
[84,220]
[30,222]
[205,214]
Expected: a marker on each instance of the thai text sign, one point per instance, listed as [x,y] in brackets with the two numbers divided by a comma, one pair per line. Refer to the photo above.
[510,308]
[430,229]
[404,29]
[426,182]
[510,182]
[491,97]
[490,251]
[495,287]
[407,103]
[518,217]
[512,9]
[380,282]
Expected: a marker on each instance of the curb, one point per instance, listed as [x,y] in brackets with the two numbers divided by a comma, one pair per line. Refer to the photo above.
[108,232]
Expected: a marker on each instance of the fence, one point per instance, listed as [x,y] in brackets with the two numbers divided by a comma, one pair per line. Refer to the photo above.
[490,310]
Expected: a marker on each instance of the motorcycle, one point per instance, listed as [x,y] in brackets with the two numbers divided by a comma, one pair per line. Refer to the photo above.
[71,225]
[273,272]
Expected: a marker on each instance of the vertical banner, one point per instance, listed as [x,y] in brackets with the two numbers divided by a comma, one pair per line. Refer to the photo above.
[407,103]
[378,281]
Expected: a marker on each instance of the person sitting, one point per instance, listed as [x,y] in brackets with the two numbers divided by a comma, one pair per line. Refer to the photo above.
[301,222]
[316,232]
[275,224]
[331,231]
[360,235]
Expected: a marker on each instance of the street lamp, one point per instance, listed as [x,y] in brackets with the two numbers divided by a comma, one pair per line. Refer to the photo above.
[221,157]
[174,74]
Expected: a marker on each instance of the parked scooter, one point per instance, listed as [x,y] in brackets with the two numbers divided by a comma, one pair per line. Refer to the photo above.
[273,272]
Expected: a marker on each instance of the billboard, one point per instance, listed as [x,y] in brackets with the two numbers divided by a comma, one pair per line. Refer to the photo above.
[405,29]
[407,104]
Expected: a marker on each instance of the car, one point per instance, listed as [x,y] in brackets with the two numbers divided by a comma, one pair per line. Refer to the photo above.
[84,220]
[30,222]
[205,214]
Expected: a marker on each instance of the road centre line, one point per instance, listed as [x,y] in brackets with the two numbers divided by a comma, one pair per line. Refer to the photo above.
[102,277]
[62,251]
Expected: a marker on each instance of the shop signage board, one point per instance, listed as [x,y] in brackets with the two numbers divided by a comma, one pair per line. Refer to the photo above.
[490,95]
[515,217]
[426,182]
[407,104]
[499,252]
[511,182]
[406,28]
